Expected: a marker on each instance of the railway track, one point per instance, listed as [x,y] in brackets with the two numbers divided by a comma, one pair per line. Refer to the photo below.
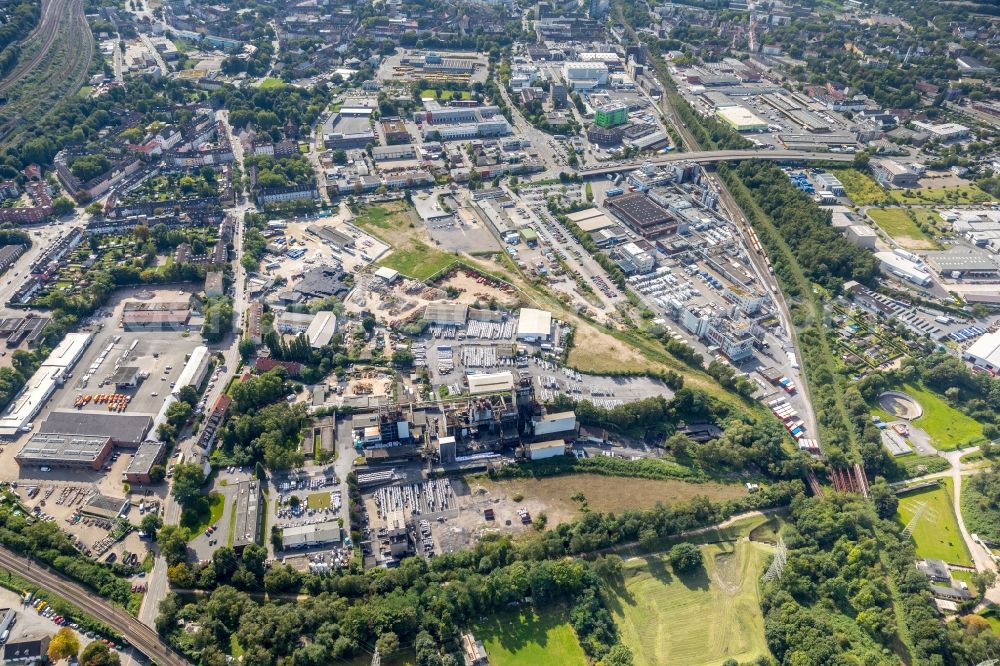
[141,637]
[52,13]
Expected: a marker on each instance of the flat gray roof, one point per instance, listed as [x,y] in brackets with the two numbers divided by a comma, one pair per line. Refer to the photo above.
[246,527]
[125,429]
[43,447]
[147,455]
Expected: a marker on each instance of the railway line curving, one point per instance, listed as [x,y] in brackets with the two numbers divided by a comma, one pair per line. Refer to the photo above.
[141,637]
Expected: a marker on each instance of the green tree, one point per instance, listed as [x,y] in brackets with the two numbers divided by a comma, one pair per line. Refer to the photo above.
[188,394]
[62,206]
[98,654]
[157,473]
[387,644]
[188,481]
[685,557]
[884,498]
[150,524]
[172,540]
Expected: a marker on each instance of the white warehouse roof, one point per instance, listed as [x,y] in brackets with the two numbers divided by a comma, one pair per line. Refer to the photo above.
[68,352]
[322,328]
[491,383]
[194,369]
[534,323]
[985,350]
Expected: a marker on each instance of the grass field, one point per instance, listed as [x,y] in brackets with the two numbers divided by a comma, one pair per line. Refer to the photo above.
[398,225]
[861,188]
[517,637]
[418,260]
[968,193]
[271,82]
[699,619]
[318,500]
[897,223]
[948,427]
[936,532]
[446,94]
[604,493]
[196,523]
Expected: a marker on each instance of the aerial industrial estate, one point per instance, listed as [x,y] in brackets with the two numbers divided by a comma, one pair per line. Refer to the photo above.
[499,333]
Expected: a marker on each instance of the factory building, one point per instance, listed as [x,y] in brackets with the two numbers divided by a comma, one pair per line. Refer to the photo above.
[249,511]
[546,449]
[148,455]
[611,114]
[194,370]
[494,382]
[634,260]
[643,215]
[962,264]
[309,536]
[829,182]
[42,384]
[985,352]
[446,314]
[125,430]
[585,75]
[46,451]
[945,131]
[861,235]
[905,265]
[322,329]
[741,119]
[554,425]
[156,320]
[534,325]
[892,173]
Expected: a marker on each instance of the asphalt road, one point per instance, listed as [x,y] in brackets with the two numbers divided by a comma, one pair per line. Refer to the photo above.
[144,639]
[157,584]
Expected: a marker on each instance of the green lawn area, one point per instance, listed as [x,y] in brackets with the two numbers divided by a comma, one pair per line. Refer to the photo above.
[271,82]
[446,94]
[936,532]
[948,427]
[861,188]
[698,619]
[198,522]
[968,193]
[418,261]
[904,230]
[522,636]
[410,255]
[318,500]
[375,216]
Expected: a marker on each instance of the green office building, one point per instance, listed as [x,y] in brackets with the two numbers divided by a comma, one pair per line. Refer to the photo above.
[611,115]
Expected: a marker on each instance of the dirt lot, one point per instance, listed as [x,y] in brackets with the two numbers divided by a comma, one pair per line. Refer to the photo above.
[601,493]
[471,291]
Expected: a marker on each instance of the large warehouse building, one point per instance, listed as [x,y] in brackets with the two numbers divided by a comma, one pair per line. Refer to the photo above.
[534,325]
[249,511]
[643,215]
[64,451]
[322,329]
[985,352]
[125,430]
[194,370]
[741,119]
[41,385]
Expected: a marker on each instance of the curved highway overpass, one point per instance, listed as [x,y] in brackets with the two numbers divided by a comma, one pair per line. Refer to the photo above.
[142,638]
[712,156]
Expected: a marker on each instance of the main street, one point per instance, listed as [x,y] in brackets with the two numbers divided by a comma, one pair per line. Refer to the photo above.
[157,584]
[143,638]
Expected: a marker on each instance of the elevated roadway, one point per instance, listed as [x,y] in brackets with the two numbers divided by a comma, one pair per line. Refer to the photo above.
[713,156]
[141,637]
